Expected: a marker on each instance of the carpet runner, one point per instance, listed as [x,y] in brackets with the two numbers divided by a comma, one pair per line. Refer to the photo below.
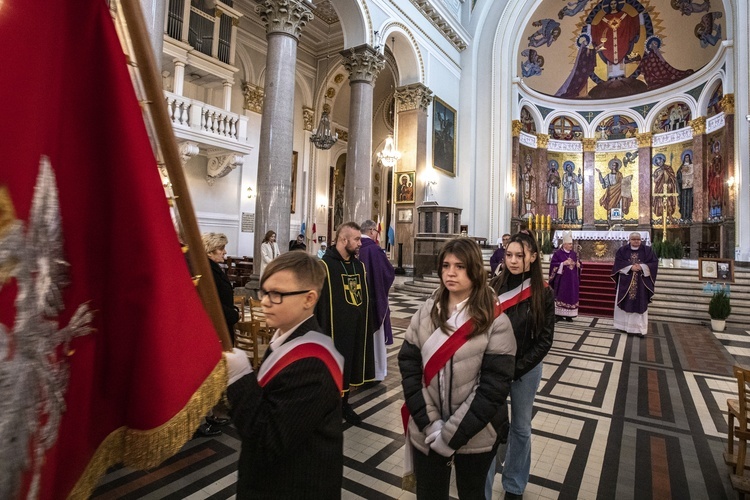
[597,292]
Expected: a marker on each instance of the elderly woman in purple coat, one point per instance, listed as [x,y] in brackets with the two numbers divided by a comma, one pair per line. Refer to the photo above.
[565,279]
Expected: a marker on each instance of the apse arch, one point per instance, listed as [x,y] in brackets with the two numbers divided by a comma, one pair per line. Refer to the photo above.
[567,113]
[533,111]
[358,26]
[718,79]
[405,51]
[663,105]
[638,119]
[246,64]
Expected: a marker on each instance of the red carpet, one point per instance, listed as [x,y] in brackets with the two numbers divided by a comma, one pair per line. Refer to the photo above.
[597,290]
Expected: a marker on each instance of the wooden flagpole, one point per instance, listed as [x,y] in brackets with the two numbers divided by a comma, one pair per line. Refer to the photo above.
[144,59]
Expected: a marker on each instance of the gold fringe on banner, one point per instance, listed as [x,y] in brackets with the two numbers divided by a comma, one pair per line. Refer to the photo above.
[147,449]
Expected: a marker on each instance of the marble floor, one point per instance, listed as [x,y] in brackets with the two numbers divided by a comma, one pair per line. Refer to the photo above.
[615,417]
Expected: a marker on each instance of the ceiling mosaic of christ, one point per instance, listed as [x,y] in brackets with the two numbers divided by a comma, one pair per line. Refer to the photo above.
[602,49]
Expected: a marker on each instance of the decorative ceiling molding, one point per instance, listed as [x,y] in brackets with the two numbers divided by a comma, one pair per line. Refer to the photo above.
[437,19]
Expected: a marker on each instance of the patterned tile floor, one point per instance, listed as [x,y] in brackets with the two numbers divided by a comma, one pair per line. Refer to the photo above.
[615,417]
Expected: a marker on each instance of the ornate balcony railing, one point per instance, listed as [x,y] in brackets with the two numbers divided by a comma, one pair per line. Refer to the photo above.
[207,124]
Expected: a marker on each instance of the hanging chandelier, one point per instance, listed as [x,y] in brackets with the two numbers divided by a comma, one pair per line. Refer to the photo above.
[322,137]
[389,155]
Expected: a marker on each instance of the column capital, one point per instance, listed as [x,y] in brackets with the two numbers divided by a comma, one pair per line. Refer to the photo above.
[363,63]
[727,104]
[413,96]
[308,117]
[644,139]
[516,127]
[284,16]
[253,97]
[698,125]
[542,140]
[589,144]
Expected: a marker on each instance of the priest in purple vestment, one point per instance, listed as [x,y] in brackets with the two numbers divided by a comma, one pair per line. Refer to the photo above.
[380,275]
[498,257]
[565,279]
[635,273]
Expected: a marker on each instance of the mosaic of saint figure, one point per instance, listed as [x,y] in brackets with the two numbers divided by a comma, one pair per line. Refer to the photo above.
[664,176]
[715,181]
[612,184]
[548,31]
[532,66]
[617,31]
[571,198]
[655,69]
[685,179]
[527,185]
[708,31]
[687,7]
[553,187]
[582,68]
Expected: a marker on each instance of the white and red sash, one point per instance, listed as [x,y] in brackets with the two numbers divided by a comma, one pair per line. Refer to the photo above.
[517,295]
[309,345]
[438,349]
[436,352]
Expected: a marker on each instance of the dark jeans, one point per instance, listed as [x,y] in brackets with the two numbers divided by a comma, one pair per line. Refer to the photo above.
[434,474]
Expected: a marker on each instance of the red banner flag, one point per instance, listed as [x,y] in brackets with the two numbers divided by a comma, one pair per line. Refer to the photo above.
[106,353]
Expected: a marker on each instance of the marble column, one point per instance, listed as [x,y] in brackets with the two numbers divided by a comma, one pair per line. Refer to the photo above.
[412,103]
[363,63]
[154,12]
[284,20]
[542,141]
[589,183]
[644,181]
[515,197]
[728,232]
[700,193]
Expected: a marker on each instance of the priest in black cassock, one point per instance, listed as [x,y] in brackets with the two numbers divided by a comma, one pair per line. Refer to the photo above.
[635,274]
[342,312]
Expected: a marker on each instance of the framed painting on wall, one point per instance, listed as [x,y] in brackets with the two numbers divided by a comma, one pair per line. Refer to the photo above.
[720,270]
[405,215]
[444,137]
[405,187]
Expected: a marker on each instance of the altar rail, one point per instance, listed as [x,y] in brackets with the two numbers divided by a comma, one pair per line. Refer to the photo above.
[622,236]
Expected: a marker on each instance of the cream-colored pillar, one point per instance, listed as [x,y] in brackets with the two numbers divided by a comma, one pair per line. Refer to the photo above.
[412,103]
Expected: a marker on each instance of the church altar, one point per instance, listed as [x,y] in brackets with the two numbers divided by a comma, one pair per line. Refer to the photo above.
[598,245]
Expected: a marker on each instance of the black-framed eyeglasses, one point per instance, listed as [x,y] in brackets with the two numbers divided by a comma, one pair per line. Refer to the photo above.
[278,297]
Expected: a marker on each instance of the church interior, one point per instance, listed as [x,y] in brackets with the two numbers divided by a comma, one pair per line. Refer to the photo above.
[443,118]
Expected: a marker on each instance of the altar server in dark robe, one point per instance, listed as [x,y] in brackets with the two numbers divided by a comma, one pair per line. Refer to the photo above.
[565,279]
[380,276]
[343,311]
[635,274]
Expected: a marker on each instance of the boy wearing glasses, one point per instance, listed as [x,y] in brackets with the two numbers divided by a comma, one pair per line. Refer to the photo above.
[289,412]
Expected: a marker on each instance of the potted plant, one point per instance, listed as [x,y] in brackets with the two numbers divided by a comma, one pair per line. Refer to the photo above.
[719,310]
[663,250]
[657,248]
[678,252]
[546,250]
